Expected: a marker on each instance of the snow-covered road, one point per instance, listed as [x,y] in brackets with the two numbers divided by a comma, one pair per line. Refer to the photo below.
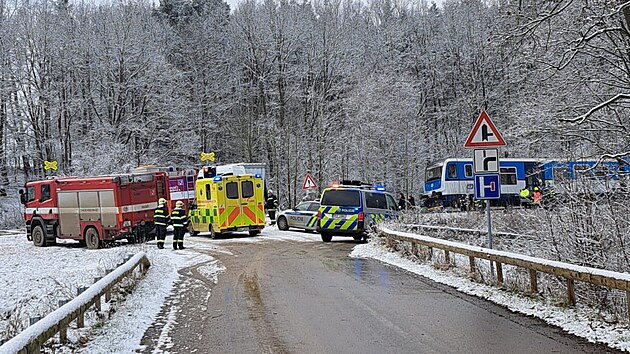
[33,279]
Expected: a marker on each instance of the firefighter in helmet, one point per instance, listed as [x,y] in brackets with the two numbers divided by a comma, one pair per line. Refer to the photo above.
[271,205]
[161,219]
[180,221]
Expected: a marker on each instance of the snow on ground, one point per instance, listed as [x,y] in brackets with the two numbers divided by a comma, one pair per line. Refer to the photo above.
[580,321]
[33,280]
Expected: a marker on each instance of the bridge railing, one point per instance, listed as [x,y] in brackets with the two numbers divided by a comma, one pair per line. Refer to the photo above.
[570,272]
[32,338]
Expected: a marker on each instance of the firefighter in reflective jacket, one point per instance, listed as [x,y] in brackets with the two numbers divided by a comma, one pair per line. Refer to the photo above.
[271,205]
[160,220]
[180,221]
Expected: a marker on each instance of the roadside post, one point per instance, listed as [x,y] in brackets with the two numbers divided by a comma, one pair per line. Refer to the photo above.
[485,139]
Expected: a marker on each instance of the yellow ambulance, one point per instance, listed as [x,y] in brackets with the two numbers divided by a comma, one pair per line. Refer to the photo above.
[228,203]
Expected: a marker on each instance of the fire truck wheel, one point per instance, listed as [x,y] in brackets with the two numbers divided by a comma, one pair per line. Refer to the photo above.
[254,233]
[39,237]
[91,239]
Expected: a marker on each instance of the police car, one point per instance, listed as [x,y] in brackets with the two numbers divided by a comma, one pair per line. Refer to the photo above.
[303,216]
[352,208]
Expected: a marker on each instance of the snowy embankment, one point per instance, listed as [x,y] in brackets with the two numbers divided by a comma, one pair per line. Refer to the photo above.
[581,321]
[33,280]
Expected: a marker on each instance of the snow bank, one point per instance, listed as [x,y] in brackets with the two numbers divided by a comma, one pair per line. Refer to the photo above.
[30,334]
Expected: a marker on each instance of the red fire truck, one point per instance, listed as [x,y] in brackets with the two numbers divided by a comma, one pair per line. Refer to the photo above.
[93,210]
[181,183]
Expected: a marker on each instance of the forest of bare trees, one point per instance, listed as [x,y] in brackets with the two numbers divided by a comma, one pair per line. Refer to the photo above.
[336,88]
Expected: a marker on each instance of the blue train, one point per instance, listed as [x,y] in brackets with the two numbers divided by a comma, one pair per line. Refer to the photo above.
[452,179]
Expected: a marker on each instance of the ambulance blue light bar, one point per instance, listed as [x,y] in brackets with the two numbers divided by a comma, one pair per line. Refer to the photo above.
[217,178]
[258,175]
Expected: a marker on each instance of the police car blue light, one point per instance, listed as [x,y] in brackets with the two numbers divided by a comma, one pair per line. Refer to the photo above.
[380,188]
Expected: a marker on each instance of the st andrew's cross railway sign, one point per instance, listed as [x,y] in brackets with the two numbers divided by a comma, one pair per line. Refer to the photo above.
[484,134]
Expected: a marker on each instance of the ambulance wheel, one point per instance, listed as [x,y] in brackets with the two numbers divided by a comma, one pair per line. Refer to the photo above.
[326,237]
[191,230]
[38,235]
[213,235]
[283,224]
[91,239]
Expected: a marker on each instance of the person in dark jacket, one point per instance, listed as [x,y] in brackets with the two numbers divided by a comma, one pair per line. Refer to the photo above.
[180,221]
[402,202]
[161,219]
[271,205]
[412,201]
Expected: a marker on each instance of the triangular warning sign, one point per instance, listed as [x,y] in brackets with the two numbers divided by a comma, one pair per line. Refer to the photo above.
[484,134]
[309,183]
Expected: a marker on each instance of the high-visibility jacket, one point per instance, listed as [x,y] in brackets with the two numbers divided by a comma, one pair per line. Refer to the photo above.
[179,218]
[524,193]
[160,215]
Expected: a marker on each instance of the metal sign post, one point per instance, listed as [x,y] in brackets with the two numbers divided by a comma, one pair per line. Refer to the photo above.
[485,135]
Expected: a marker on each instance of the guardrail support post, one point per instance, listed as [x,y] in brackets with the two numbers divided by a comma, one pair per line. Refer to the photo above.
[430,253]
[63,328]
[414,249]
[533,281]
[447,257]
[628,302]
[499,274]
[571,291]
[471,260]
[108,295]
[97,303]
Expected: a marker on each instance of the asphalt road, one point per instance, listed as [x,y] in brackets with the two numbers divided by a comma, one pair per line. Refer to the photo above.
[310,297]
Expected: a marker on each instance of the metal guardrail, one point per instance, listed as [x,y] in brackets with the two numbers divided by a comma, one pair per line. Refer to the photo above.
[570,272]
[32,338]
[468,231]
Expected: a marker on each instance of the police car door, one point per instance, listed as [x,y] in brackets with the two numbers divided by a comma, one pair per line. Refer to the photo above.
[300,217]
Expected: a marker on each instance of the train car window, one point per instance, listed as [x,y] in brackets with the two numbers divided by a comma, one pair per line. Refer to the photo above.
[451,170]
[45,192]
[468,171]
[231,190]
[508,176]
[601,171]
[581,170]
[560,173]
[434,173]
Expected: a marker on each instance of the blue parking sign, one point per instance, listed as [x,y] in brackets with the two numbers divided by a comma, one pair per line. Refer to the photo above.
[487,186]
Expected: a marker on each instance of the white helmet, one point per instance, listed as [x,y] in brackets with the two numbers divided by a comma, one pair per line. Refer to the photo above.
[270,191]
[161,201]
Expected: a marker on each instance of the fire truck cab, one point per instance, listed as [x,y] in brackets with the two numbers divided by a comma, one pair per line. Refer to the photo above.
[92,210]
